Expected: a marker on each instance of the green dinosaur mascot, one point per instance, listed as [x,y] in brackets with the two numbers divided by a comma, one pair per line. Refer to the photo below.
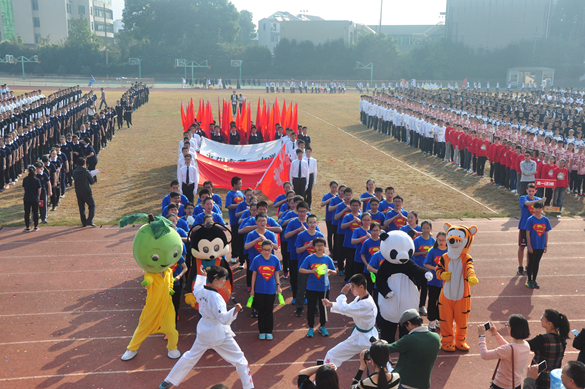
[157,246]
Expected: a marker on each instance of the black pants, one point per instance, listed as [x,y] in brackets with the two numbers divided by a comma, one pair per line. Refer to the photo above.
[309,191]
[299,185]
[235,241]
[349,254]
[330,235]
[55,196]
[548,193]
[339,250]
[580,183]
[423,295]
[82,199]
[28,206]
[302,279]
[248,271]
[284,252]
[294,276]
[188,191]
[497,170]
[573,180]
[433,307]
[314,297]
[480,165]
[534,263]
[388,330]
[264,304]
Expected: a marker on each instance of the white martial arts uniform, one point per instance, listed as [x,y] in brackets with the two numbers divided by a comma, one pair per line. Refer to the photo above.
[213,332]
[363,313]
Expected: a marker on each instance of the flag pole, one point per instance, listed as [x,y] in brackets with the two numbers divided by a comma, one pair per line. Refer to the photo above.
[268,168]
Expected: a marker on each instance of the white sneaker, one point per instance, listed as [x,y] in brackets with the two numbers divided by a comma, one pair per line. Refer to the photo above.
[128,355]
[174,354]
[432,326]
[234,260]
[422,311]
[438,324]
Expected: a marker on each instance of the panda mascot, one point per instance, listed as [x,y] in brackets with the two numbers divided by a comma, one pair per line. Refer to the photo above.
[398,282]
[208,246]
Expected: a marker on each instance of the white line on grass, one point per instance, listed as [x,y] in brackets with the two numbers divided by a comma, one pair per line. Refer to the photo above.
[396,159]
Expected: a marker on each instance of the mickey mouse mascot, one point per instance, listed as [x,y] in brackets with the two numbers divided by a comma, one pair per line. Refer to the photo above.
[398,282]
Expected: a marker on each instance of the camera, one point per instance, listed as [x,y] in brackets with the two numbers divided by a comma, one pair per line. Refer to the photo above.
[367,356]
[319,362]
[487,326]
[373,339]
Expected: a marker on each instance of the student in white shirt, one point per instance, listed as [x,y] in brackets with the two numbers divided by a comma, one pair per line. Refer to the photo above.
[299,174]
[189,179]
[312,165]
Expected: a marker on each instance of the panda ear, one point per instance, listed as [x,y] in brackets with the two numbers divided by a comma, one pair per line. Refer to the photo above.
[411,233]
[383,236]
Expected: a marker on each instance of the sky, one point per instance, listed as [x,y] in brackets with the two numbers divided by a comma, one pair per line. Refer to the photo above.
[395,12]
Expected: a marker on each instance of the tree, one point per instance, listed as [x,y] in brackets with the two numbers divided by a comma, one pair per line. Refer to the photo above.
[379,49]
[247,28]
[81,48]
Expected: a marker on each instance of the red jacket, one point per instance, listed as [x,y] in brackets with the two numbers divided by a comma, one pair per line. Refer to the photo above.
[483,147]
[547,171]
[562,177]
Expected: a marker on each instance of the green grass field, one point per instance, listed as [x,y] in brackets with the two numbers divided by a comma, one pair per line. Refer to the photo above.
[138,165]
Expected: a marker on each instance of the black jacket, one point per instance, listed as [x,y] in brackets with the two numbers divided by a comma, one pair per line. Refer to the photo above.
[83,180]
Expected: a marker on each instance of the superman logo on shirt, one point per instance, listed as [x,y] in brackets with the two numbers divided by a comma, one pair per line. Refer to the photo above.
[258,246]
[437,259]
[266,271]
[373,250]
[238,199]
[539,228]
[354,225]
[310,250]
[424,248]
[531,209]
[400,222]
[313,266]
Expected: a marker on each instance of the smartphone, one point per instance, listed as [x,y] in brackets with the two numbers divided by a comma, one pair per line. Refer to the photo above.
[575,332]
[319,362]
[541,366]
[487,326]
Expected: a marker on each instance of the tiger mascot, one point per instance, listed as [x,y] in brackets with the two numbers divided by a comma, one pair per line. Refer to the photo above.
[455,268]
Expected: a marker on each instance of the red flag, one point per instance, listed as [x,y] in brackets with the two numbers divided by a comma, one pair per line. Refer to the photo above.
[248,122]
[283,115]
[288,119]
[265,131]
[464,83]
[190,116]
[199,112]
[242,126]
[276,175]
[295,119]
[275,115]
[219,122]
[269,123]
[209,113]
[259,119]
[251,173]
[183,118]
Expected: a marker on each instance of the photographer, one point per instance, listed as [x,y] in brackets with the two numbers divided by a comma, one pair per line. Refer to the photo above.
[325,377]
[512,358]
[379,356]
[572,376]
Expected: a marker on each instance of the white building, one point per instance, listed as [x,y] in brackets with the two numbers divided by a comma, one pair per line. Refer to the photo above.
[306,27]
[36,19]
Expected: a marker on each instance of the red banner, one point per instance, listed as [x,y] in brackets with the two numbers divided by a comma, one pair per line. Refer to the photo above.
[545,183]
[268,174]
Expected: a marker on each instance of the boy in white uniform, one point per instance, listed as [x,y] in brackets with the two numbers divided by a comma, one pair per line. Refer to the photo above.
[362,311]
[213,330]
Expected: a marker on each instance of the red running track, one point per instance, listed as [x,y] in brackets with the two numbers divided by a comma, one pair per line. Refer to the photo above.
[70,299]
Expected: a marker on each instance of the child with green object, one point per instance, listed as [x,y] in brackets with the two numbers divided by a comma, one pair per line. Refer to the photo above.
[265,287]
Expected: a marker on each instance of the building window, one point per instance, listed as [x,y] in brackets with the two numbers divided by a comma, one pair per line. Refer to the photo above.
[35,5]
[81,9]
[69,24]
[37,38]
[264,26]
[68,8]
[36,22]
[91,10]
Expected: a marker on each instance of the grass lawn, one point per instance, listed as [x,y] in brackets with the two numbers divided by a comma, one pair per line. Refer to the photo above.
[136,168]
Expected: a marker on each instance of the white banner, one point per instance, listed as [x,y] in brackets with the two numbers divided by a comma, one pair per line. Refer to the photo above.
[237,153]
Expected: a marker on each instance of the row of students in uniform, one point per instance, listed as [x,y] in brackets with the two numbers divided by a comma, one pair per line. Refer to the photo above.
[315,86]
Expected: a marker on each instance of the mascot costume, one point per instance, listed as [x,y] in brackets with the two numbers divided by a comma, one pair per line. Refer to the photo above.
[208,247]
[398,282]
[455,268]
[157,246]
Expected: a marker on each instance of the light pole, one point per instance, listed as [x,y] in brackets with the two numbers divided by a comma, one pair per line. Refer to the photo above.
[380,25]
[136,61]
[236,63]
[370,67]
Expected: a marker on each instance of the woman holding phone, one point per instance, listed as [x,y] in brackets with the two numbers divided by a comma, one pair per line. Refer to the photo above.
[513,357]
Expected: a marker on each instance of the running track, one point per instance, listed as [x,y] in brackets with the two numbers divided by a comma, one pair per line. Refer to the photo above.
[71,297]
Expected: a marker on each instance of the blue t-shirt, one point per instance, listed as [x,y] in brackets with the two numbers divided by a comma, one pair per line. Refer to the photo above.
[399,222]
[525,212]
[291,226]
[265,269]
[336,201]
[165,211]
[417,230]
[424,245]
[167,199]
[181,223]
[216,200]
[537,228]
[317,283]
[363,197]
[302,239]
[358,233]
[177,269]
[242,207]
[376,261]
[433,257]
[217,218]
[257,248]
[182,232]
[379,217]
[344,209]
[328,214]
[233,198]
[283,208]
[348,231]
[279,198]
[369,248]
[244,216]
[385,205]
[199,209]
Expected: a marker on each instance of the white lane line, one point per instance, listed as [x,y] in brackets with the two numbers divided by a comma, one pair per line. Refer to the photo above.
[136,269]
[456,355]
[407,165]
[62,255]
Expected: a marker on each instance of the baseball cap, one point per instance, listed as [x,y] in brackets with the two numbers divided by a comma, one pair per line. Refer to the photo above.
[407,315]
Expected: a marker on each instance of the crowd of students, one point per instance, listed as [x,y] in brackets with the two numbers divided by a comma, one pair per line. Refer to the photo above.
[349,248]
[280,86]
[525,136]
[49,135]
